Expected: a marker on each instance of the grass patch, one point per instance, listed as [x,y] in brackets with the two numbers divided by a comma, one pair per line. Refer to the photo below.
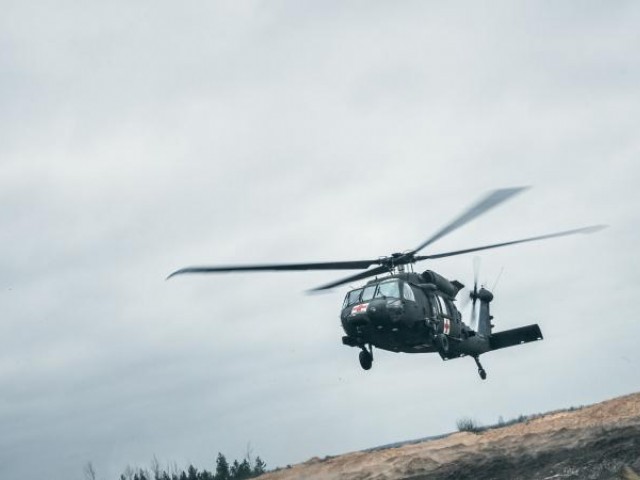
[468,424]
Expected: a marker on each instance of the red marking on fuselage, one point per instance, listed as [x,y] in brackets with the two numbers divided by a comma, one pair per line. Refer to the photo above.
[447,326]
[362,308]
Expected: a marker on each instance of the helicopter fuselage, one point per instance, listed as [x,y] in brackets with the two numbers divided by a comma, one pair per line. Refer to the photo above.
[416,313]
[406,312]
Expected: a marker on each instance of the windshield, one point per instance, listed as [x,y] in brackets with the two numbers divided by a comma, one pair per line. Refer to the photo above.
[389,289]
[352,297]
[368,292]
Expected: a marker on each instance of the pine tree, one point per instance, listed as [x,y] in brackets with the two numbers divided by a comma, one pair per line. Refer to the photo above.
[244,470]
[222,468]
[192,473]
[206,475]
[234,469]
[259,467]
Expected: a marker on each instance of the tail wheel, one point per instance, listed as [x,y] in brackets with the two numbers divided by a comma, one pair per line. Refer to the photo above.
[366,360]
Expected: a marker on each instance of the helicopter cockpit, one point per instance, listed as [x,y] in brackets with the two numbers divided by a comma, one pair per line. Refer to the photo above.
[384,289]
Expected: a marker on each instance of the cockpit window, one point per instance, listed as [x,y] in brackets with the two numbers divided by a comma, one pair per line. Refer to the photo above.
[389,289]
[353,297]
[407,292]
[444,307]
[367,293]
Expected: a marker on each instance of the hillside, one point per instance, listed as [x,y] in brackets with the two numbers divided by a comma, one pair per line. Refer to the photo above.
[598,442]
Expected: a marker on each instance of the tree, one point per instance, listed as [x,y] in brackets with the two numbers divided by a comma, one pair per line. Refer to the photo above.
[234,469]
[192,473]
[244,470]
[259,467]
[206,475]
[141,475]
[222,468]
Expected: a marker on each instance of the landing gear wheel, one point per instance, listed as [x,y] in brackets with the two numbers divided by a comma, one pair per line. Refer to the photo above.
[366,360]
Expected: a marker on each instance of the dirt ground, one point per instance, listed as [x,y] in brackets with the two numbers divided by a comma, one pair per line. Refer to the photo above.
[599,442]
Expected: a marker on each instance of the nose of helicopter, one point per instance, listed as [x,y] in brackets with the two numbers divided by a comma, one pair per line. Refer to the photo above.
[358,314]
[375,312]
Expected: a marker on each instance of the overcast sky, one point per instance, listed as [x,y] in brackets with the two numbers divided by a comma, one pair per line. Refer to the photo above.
[140,137]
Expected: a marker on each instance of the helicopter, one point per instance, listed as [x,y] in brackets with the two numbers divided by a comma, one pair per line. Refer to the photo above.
[400,310]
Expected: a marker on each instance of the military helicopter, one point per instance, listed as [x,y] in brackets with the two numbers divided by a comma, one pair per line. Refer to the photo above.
[404,311]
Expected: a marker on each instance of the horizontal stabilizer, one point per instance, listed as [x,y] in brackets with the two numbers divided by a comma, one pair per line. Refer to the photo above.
[516,336]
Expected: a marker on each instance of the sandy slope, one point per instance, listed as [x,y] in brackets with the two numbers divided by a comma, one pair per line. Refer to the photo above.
[596,442]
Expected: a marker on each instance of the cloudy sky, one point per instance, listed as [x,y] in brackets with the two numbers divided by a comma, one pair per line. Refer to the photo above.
[140,137]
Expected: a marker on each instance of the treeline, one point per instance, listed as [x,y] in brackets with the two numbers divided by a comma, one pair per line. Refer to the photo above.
[224,471]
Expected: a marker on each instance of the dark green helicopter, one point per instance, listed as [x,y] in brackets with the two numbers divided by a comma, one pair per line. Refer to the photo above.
[404,311]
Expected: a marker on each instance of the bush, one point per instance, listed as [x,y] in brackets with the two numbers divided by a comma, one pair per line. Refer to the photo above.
[468,424]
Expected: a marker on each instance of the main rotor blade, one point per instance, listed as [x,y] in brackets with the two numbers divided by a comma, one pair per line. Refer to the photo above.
[350,265]
[491,200]
[592,229]
[359,276]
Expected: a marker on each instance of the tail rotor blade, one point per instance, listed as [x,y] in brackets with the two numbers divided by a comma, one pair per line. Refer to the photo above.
[474,315]
[466,299]
[476,272]
[470,296]
[474,295]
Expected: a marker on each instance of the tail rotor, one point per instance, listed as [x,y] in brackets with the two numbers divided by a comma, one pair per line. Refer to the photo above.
[473,295]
